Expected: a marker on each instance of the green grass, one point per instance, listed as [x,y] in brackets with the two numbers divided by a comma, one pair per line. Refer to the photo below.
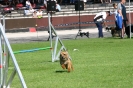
[99,63]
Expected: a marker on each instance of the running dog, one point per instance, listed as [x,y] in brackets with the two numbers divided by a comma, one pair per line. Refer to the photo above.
[65,61]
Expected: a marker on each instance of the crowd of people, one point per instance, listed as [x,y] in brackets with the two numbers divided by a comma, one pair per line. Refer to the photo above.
[35,14]
[29,9]
[120,19]
[38,13]
[14,2]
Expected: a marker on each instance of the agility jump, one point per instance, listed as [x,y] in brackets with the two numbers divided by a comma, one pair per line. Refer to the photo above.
[31,50]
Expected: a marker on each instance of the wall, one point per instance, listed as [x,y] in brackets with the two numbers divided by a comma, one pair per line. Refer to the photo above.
[56,21]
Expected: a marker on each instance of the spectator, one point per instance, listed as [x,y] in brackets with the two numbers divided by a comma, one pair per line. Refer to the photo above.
[39,13]
[45,3]
[122,11]
[110,1]
[28,5]
[98,1]
[58,8]
[115,13]
[106,1]
[118,19]
[101,1]
[34,14]
[59,1]
[72,1]
[15,2]
[84,2]
[99,20]
[26,12]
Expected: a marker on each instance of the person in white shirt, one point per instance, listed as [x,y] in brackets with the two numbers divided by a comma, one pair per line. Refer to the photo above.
[115,13]
[99,20]
[39,13]
[26,12]
[58,8]
[28,5]
[45,3]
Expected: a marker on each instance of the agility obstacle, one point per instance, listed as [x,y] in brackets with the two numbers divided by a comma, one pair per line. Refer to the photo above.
[31,50]
[6,78]
[55,53]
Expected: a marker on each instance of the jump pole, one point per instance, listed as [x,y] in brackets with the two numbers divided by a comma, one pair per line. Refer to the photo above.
[31,50]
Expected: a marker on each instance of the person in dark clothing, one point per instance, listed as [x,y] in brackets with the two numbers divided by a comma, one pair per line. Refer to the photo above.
[122,11]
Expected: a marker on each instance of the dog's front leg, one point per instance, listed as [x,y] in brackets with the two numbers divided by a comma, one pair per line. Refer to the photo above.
[69,67]
[63,66]
[72,66]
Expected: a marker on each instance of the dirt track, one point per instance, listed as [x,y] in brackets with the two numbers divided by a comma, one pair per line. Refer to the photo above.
[22,37]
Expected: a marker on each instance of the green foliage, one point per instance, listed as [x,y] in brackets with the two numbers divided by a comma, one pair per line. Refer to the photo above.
[98,63]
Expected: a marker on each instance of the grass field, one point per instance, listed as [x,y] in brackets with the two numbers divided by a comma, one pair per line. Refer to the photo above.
[99,63]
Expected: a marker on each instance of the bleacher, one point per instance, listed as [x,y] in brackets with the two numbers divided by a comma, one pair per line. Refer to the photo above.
[69,10]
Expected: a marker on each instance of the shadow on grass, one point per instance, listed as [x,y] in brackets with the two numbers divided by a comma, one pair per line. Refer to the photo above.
[49,61]
[60,71]
[67,38]
[112,38]
[116,38]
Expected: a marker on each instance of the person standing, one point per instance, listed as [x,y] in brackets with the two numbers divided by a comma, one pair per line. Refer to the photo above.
[118,19]
[115,13]
[99,20]
[28,5]
[122,11]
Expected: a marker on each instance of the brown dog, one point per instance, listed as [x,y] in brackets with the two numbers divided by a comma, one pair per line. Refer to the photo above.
[65,61]
[114,31]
